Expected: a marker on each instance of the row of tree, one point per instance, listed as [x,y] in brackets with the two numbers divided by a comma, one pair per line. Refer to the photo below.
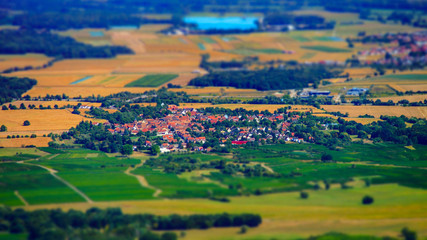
[30,41]
[266,79]
[111,223]
[14,87]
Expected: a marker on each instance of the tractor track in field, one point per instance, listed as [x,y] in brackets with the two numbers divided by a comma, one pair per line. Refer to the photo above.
[53,173]
[21,198]
[141,179]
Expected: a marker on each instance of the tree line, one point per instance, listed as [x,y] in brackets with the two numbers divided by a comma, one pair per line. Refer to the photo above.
[30,41]
[111,223]
[266,79]
[14,87]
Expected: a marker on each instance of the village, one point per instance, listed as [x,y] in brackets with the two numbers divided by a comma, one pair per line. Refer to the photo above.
[185,129]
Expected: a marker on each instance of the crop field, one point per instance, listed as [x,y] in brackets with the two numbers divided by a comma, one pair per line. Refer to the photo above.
[34,60]
[377,111]
[49,120]
[100,177]
[34,184]
[152,80]
[19,142]
[259,107]
[410,98]
[326,49]
[53,103]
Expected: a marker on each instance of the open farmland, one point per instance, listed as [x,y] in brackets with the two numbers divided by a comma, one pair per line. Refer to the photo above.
[11,61]
[391,211]
[34,184]
[41,120]
[20,142]
[152,80]
[259,107]
[377,111]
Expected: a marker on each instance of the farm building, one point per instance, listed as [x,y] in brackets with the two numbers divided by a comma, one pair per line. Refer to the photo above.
[356,91]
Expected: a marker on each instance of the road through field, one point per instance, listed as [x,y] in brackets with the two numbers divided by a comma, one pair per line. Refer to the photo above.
[142,180]
[53,173]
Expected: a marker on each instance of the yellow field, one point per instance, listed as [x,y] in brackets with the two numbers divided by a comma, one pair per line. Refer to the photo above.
[414,87]
[377,111]
[76,91]
[410,98]
[48,120]
[20,142]
[260,107]
[53,103]
[10,61]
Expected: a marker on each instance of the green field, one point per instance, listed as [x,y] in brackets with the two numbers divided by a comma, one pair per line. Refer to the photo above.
[34,184]
[100,177]
[253,51]
[326,49]
[154,80]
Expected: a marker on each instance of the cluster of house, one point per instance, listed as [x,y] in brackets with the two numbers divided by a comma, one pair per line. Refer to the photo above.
[183,129]
[405,49]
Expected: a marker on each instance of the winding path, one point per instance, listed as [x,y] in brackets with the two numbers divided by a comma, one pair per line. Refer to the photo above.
[53,173]
[142,180]
[267,168]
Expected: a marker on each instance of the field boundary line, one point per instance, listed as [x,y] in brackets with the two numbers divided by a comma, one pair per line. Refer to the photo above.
[53,173]
[21,198]
[141,179]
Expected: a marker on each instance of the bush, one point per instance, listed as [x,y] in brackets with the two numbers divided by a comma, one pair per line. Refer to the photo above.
[243,229]
[408,234]
[326,157]
[169,236]
[367,200]
[303,195]
[27,123]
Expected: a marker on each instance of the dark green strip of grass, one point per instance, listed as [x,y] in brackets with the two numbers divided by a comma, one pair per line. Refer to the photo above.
[155,80]
[326,49]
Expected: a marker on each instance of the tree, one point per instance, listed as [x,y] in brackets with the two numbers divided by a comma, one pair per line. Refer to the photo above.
[3,128]
[408,234]
[326,157]
[22,106]
[4,107]
[304,195]
[367,200]
[27,123]
[127,150]
[155,150]
[169,236]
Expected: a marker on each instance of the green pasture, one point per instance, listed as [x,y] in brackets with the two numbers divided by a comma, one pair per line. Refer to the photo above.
[154,80]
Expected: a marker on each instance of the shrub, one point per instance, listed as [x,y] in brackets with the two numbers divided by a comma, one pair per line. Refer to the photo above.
[326,157]
[367,200]
[27,123]
[408,234]
[243,229]
[303,195]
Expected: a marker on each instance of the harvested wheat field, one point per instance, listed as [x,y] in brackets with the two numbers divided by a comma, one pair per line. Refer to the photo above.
[22,142]
[34,60]
[377,111]
[414,87]
[259,107]
[55,119]
[410,98]
[53,103]
[76,91]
